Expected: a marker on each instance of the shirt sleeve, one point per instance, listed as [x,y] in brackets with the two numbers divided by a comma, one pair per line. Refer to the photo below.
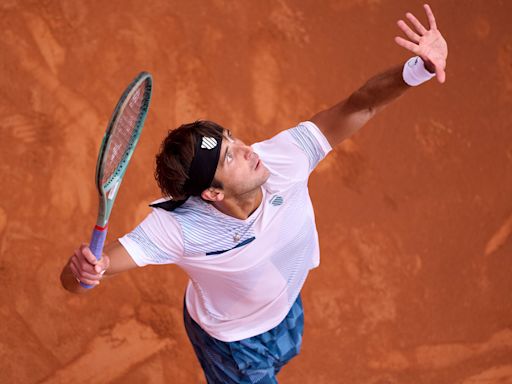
[295,152]
[312,141]
[156,240]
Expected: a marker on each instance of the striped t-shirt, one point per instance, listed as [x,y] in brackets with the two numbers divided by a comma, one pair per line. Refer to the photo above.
[244,274]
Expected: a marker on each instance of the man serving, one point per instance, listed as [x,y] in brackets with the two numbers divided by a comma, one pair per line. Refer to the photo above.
[239,221]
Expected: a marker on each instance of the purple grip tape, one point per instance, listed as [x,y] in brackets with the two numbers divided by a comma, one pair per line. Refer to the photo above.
[97,243]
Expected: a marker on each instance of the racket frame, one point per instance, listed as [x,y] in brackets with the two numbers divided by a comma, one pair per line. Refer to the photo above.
[108,190]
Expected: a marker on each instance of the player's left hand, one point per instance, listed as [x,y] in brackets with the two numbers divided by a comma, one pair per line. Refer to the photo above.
[429,44]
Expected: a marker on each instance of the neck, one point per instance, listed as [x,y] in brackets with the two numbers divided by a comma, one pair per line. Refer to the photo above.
[241,206]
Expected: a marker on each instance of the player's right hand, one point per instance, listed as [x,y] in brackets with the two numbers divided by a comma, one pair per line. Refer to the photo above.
[86,268]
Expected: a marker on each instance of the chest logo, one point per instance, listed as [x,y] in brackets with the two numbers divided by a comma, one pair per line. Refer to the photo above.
[276,200]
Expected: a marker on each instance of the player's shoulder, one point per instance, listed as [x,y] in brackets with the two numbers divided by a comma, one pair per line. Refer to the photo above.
[191,212]
[291,154]
[301,137]
[161,215]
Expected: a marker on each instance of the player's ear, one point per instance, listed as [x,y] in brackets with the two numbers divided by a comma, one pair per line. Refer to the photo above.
[212,194]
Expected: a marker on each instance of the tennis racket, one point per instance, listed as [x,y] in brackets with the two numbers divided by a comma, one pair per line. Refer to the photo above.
[121,137]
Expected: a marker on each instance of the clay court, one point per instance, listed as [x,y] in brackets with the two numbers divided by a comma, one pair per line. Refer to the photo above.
[414,212]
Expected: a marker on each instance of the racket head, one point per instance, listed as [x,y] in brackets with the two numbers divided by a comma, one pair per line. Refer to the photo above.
[120,139]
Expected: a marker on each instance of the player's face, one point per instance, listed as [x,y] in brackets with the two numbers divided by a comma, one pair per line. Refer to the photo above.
[240,169]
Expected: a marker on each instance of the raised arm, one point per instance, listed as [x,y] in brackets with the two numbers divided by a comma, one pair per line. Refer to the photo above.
[345,118]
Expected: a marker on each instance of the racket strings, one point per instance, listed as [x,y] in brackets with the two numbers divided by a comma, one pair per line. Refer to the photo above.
[124,131]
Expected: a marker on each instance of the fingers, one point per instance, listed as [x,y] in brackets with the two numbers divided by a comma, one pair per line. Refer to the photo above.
[439,67]
[86,268]
[88,254]
[102,265]
[407,45]
[430,16]
[440,74]
[84,277]
[417,24]
[414,21]
[413,36]
[81,262]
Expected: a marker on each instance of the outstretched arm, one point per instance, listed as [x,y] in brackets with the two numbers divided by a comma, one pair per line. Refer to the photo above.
[345,118]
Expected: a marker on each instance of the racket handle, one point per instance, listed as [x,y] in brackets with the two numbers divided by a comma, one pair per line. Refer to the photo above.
[99,234]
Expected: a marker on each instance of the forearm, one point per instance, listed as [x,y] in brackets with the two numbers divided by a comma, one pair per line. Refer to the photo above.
[349,115]
[376,93]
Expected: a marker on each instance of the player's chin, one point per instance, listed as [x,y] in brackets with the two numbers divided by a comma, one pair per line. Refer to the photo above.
[265,173]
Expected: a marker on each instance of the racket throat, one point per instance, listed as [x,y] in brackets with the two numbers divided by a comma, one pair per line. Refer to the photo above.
[113,192]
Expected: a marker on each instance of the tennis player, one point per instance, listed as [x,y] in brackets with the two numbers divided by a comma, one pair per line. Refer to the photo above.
[239,221]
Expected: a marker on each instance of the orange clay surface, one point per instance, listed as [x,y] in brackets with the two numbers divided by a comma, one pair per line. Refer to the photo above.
[414,212]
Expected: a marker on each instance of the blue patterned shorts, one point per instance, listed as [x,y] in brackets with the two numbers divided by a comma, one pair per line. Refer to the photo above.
[256,359]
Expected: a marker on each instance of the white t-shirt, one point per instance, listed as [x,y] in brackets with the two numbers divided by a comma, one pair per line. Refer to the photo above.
[244,274]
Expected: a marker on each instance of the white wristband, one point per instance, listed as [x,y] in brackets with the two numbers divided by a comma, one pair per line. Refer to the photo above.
[415,73]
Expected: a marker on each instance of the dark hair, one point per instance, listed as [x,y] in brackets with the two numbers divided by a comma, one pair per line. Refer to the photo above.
[176,153]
